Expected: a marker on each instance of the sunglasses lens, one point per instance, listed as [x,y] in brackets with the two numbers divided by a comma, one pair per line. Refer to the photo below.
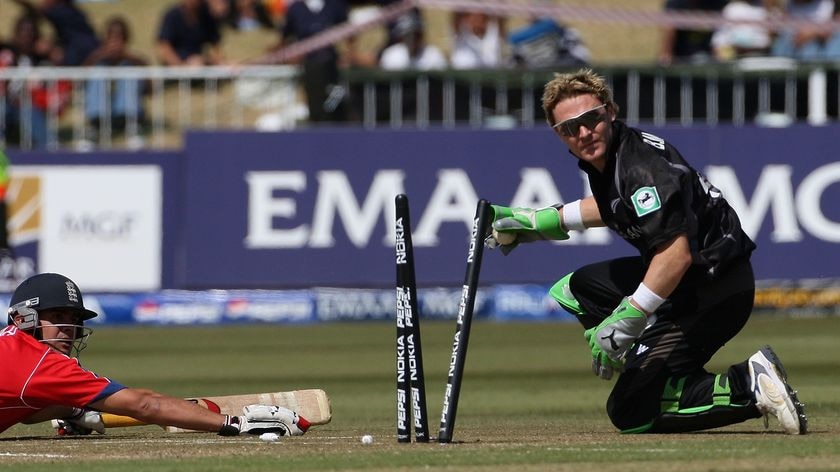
[569,128]
[589,119]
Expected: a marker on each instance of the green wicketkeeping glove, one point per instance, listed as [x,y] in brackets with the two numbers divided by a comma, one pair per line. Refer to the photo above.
[602,365]
[528,224]
[611,339]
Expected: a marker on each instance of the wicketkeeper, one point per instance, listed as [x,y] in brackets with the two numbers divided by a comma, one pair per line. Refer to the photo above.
[43,380]
[659,317]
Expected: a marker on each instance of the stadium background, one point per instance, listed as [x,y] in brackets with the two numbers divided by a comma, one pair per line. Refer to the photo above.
[638,43]
[160,237]
[279,225]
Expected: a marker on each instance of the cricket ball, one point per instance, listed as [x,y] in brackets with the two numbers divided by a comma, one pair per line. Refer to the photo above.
[504,238]
[367,439]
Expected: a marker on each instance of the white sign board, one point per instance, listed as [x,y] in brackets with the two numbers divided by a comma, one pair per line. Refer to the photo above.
[101,225]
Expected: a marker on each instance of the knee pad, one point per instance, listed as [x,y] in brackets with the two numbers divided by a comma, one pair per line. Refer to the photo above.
[562,293]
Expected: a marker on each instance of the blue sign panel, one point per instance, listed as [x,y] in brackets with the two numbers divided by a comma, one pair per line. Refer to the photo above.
[315,208]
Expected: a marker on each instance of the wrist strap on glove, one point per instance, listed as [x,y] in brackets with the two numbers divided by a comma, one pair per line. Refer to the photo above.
[572,216]
[646,299]
[230,427]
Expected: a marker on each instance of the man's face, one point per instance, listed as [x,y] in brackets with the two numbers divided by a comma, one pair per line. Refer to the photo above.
[59,328]
[585,125]
[115,34]
[476,22]
[25,32]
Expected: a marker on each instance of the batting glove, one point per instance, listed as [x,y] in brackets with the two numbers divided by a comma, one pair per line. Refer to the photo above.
[81,423]
[258,419]
[610,340]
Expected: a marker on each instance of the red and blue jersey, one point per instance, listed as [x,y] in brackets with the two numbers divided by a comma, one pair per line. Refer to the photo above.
[36,377]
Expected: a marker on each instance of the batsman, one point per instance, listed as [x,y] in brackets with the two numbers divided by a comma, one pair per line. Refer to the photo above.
[43,380]
[655,319]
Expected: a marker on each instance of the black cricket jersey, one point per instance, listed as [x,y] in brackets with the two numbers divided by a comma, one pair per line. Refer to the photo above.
[649,194]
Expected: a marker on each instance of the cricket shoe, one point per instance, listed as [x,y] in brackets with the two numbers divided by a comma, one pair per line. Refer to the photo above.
[773,395]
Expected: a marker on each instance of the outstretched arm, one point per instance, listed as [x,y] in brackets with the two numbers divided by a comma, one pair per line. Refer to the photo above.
[155,408]
[512,226]
[145,405]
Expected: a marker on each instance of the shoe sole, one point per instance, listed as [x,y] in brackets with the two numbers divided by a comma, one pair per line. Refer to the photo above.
[768,352]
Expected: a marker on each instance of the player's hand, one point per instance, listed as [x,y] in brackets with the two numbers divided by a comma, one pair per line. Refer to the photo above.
[602,365]
[81,423]
[506,242]
[258,419]
[512,226]
[613,337]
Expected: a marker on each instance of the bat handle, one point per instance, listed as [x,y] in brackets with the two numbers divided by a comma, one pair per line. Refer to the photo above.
[119,421]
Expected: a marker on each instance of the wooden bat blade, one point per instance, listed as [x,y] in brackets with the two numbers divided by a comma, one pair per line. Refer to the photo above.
[312,404]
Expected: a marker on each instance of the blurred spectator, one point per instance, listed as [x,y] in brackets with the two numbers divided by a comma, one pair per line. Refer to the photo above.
[27,101]
[124,97]
[411,50]
[546,43]
[219,10]
[479,41]
[815,41]
[736,41]
[276,9]
[5,248]
[248,15]
[390,26]
[305,19]
[75,36]
[189,35]
[681,45]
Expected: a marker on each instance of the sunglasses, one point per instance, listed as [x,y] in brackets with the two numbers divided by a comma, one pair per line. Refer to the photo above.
[590,118]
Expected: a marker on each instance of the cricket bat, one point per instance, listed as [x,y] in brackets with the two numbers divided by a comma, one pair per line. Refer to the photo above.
[312,404]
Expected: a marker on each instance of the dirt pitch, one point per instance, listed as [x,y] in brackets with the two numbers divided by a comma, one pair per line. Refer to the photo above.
[528,402]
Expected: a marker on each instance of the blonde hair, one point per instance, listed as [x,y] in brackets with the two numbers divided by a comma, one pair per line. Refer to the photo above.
[580,82]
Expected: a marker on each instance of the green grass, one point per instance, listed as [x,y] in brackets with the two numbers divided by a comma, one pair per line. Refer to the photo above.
[529,401]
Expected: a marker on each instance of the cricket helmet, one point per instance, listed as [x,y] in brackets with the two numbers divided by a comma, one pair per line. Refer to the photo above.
[44,292]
